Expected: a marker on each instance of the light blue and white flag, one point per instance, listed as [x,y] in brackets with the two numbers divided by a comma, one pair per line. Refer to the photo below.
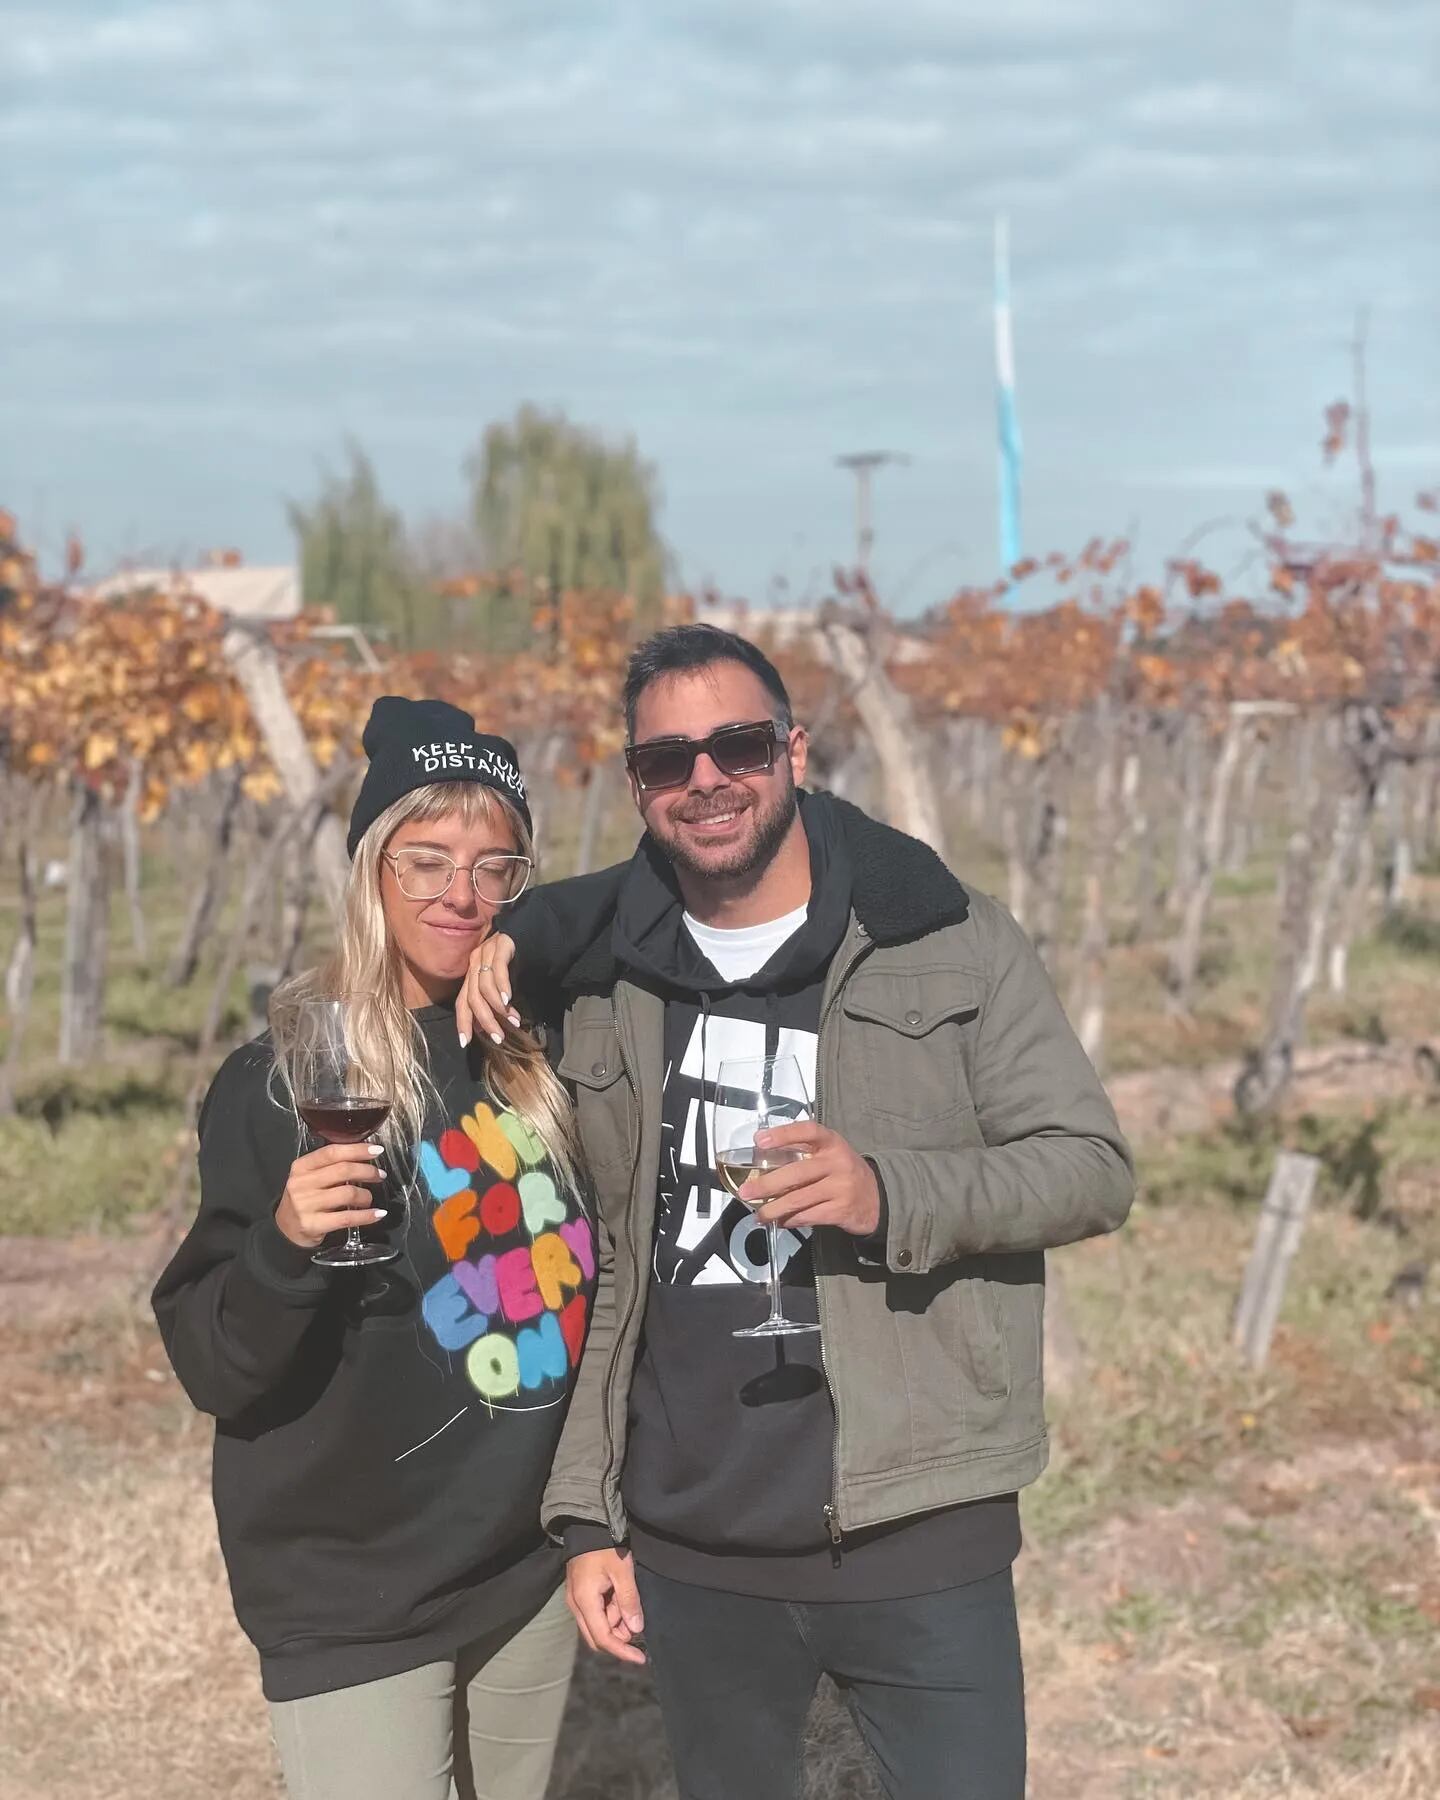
[1007,417]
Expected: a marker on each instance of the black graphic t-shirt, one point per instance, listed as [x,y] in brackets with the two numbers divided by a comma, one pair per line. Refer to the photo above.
[383,1435]
[704,1237]
[729,1466]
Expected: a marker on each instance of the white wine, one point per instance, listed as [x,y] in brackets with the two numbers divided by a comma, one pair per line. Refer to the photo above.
[734,1167]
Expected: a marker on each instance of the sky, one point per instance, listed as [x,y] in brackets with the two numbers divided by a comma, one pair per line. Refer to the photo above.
[753,234]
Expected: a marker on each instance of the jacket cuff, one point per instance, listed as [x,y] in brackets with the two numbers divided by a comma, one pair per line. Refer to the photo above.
[582,1536]
[904,1238]
[286,1268]
[871,1250]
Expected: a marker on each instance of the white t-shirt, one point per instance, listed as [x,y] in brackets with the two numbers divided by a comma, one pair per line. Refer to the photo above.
[739,953]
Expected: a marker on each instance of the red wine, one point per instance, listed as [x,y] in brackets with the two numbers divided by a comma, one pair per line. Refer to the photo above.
[344,1121]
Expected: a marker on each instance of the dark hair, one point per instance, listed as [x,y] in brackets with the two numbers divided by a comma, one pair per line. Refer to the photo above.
[681,648]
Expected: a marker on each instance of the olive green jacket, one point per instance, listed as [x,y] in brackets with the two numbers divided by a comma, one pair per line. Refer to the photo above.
[945,1059]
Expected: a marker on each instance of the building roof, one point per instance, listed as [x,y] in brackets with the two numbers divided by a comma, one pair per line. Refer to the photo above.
[244,592]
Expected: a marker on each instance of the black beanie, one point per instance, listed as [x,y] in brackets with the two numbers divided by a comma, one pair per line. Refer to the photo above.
[412,743]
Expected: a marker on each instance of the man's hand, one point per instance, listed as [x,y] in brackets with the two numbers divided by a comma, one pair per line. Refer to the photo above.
[483,1003]
[832,1185]
[600,1591]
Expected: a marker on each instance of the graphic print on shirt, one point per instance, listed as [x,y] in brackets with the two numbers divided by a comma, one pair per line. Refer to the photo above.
[521,1254]
[703,1236]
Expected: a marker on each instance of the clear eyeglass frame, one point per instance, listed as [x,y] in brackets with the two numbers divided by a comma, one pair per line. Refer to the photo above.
[497,880]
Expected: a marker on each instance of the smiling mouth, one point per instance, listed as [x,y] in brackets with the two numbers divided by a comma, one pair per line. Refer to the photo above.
[712,821]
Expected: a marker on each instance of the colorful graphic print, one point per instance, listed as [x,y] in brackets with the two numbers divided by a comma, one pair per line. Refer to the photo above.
[521,1255]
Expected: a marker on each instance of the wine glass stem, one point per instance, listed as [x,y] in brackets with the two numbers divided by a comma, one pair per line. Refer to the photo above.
[772,1235]
[353,1240]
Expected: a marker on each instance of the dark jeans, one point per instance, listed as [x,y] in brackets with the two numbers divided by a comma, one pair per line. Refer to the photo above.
[933,1683]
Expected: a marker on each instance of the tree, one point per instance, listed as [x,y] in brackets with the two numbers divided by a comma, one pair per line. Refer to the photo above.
[557,503]
[354,555]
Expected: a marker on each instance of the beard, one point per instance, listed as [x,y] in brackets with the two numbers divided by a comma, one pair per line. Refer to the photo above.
[766,824]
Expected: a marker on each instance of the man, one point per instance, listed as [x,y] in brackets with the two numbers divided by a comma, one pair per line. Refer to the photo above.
[843,1501]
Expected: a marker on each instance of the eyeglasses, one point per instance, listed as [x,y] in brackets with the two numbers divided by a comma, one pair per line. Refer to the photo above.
[734,750]
[427,874]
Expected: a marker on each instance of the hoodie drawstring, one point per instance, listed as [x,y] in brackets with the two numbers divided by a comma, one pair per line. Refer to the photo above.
[702,1135]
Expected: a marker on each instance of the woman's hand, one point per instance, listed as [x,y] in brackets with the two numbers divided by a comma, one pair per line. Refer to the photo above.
[326,1192]
[483,1003]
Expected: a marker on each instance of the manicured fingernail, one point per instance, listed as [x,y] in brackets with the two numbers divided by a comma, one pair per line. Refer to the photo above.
[497,1037]
[375,1149]
[377,1215]
[635,1621]
[464,1039]
[505,998]
[514,1019]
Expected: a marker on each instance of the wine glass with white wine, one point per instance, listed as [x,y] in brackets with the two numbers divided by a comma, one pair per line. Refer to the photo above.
[339,1105]
[754,1094]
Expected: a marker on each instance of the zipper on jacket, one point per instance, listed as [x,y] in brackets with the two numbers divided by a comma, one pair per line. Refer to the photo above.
[622,1326]
[832,1511]
[832,1525]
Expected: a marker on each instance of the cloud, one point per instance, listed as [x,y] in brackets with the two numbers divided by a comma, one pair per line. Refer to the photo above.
[755,232]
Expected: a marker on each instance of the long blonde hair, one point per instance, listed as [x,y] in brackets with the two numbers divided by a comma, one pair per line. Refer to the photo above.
[365,971]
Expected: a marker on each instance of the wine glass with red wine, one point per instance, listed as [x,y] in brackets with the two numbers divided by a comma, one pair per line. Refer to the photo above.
[339,1106]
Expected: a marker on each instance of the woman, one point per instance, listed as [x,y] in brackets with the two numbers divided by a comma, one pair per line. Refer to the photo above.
[383,1433]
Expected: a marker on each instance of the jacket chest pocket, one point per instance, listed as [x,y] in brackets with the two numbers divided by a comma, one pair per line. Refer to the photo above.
[591,1068]
[907,1049]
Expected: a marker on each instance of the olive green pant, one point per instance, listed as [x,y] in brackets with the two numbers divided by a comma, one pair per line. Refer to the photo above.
[481,1727]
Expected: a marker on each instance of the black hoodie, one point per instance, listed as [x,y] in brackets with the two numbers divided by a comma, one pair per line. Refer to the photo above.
[731,1442]
[382,1434]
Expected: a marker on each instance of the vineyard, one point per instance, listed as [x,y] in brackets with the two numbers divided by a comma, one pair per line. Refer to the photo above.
[1217,813]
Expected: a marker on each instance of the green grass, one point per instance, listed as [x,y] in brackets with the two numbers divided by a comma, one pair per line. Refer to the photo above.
[1166,1401]
[1138,1614]
[93,1148]
[1361,1156]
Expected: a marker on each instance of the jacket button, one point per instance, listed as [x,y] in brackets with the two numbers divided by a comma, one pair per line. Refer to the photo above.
[912,1018]
[903,1258]
[597,1068]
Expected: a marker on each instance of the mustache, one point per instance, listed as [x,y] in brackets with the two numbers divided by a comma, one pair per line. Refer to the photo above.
[696,815]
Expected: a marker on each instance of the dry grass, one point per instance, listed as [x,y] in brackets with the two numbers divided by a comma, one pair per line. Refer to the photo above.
[1231,1590]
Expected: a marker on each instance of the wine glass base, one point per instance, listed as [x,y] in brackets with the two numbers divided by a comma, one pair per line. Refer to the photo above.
[774,1328]
[342,1257]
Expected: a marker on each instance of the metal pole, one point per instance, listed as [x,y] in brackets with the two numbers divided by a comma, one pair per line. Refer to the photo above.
[863,463]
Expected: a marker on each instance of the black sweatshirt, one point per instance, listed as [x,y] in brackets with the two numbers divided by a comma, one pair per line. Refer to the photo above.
[382,1434]
[729,1464]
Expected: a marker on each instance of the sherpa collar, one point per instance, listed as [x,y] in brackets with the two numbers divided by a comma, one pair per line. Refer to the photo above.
[900,889]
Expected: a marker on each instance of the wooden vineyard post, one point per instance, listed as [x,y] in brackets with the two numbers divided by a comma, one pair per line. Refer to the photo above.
[1277,1237]
[256,667]
[87,914]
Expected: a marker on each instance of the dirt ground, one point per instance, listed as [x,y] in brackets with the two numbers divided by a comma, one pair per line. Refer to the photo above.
[1259,1619]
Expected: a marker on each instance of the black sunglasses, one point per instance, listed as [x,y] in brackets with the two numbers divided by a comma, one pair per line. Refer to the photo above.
[734,750]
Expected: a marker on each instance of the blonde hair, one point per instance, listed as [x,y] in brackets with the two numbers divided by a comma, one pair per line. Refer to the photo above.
[366,971]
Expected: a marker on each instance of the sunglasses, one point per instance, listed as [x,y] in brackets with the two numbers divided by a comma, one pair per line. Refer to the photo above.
[734,750]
